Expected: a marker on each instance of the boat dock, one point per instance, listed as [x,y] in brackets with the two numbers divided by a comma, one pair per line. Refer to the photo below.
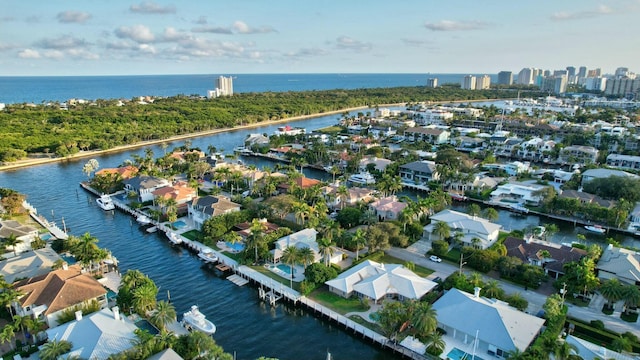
[238,280]
[49,225]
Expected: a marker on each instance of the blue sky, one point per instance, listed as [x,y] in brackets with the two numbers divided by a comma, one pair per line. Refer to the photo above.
[91,37]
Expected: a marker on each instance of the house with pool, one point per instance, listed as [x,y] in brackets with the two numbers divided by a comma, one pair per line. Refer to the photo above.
[376,281]
[144,186]
[477,232]
[203,208]
[301,239]
[485,327]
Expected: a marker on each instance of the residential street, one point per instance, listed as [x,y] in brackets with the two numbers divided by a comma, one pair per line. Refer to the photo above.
[536,298]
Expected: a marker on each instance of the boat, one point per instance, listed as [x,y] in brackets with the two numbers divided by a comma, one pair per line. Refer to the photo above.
[539,231]
[152,229]
[458,197]
[519,209]
[208,256]
[105,203]
[174,238]
[362,179]
[596,229]
[195,320]
[289,130]
[143,220]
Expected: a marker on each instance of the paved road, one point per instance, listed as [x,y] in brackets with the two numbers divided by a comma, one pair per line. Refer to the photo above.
[536,299]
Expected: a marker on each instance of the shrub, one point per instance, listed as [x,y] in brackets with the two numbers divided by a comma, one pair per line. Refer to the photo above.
[597,324]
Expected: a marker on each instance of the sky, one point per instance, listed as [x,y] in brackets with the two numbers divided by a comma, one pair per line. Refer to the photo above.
[99,37]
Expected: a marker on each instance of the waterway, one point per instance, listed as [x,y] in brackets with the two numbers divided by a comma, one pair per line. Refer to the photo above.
[246,326]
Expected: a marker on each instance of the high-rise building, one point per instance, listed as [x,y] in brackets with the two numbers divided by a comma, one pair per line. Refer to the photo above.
[224,87]
[622,87]
[469,82]
[546,73]
[560,73]
[554,84]
[432,82]
[594,73]
[483,82]
[582,72]
[525,76]
[571,73]
[505,78]
[595,83]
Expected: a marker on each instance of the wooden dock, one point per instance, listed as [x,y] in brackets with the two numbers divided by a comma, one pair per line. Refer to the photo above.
[238,280]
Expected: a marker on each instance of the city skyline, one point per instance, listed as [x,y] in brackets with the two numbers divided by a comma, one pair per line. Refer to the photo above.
[201,37]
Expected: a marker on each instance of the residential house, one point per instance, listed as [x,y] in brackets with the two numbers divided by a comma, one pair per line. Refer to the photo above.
[256,139]
[432,116]
[203,208]
[603,174]
[512,169]
[586,198]
[180,192]
[244,229]
[496,327]
[551,257]
[124,172]
[376,281]
[144,186]
[467,143]
[24,233]
[635,215]
[619,161]
[477,232]
[379,164]
[301,239]
[432,136]
[619,263]
[388,208]
[97,335]
[166,354]
[354,196]
[381,132]
[182,156]
[578,154]
[301,182]
[28,264]
[47,296]
[418,172]
[517,192]
[589,351]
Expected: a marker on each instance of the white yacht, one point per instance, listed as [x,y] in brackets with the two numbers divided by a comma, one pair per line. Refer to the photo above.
[105,203]
[364,178]
[174,238]
[208,256]
[195,320]
[596,229]
[143,220]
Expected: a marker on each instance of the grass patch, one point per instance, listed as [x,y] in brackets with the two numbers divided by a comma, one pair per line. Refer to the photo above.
[371,326]
[330,130]
[276,278]
[388,259]
[577,301]
[193,235]
[338,303]
[631,317]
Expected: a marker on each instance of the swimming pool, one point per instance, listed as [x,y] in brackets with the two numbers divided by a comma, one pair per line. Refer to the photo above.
[179,224]
[145,325]
[46,237]
[286,269]
[236,247]
[457,354]
[69,259]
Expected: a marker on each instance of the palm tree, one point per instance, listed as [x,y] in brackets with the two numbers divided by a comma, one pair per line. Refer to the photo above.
[7,335]
[34,326]
[492,290]
[54,348]
[342,193]
[516,354]
[133,278]
[86,250]
[442,230]
[369,217]
[631,296]
[359,238]
[621,344]
[171,209]
[612,291]
[144,298]
[435,343]
[491,214]
[307,256]
[473,210]
[163,314]
[12,241]
[562,350]
[291,256]
[255,239]
[424,318]
[325,245]
[300,212]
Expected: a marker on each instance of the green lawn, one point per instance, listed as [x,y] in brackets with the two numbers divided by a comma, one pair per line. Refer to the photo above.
[337,303]
[276,278]
[365,323]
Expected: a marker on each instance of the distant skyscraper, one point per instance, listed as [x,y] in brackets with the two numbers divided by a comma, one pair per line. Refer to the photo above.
[483,82]
[560,73]
[571,72]
[469,82]
[432,82]
[582,72]
[546,73]
[622,87]
[594,73]
[525,76]
[554,84]
[505,78]
[595,83]
[224,87]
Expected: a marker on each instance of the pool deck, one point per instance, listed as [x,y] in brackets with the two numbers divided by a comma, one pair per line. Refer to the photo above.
[298,271]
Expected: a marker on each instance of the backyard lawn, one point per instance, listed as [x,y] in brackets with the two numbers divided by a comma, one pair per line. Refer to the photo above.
[338,303]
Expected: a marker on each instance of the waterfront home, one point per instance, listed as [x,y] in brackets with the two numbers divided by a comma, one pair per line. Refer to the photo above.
[479,183]
[381,132]
[24,233]
[551,257]
[166,354]
[301,182]
[434,116]
[256,139]
[183,156]
[124,172]
[497,327]
[619,263]
[144,186]
[589,351]
[203,208]
[305,238]
[477,232]
[387,208]
[559,176]
[354,196]
[47,296]
[586,198]
[634,216]
[466,143]
[97,335]
[517,192]
[376,281]
[620,161]
[578,154]
[28,264]
[418,172]
[379,164]
[180,192]
[432,136]
[512,169]
[603,174]
[244,229]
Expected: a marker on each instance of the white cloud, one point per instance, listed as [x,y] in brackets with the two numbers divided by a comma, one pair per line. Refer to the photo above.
[29,54]
[601,10]
[53,54]
[171,34]
[73,17]
[137,33]
[149,7]
[61,43]
[242,28]
[347,43]
[213,30]
[307,52]
[449,25]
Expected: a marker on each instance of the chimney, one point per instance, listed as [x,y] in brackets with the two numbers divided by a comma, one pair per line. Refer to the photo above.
[116,312]
[65,266]
[78,315]
[476,292]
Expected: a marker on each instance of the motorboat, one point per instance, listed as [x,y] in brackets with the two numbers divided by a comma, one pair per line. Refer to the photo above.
[143,220]
[519,209]
[596,229]
[362,179]
[174,238]
[457,197]
[152,229]
[105,203]
[195,320]
[290,130]
[208,256]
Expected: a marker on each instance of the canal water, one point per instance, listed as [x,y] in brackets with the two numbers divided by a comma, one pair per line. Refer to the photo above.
[246,326]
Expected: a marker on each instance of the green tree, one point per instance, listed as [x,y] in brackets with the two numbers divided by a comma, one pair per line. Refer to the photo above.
[12,241]
[631,297]
[424,318]
[491,214]
[442,230]
[307,256]
[359,238]
[612,291]
[473,209]
[435,343]
[7,335]
[291,256]
[163,314]
[52,349]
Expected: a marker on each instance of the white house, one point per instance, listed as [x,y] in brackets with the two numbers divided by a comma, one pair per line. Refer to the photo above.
[623,161]
[203,208]
[25,233]
[28,264]
[603,174]
[144,186]
[517,192]
[497,327]
[471,227]
[619,263]
[97,335]
[301,239]
[376,281]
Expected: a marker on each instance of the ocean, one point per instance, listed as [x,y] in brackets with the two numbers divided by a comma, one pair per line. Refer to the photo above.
[42,89]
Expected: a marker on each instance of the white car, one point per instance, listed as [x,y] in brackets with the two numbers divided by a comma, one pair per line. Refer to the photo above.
[435,258]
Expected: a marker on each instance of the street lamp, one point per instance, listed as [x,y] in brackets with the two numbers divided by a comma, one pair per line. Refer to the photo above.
[461,262]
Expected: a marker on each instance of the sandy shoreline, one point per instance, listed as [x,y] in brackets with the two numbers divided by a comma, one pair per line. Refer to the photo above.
[85,154]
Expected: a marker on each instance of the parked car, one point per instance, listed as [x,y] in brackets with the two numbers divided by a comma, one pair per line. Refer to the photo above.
[435,258]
